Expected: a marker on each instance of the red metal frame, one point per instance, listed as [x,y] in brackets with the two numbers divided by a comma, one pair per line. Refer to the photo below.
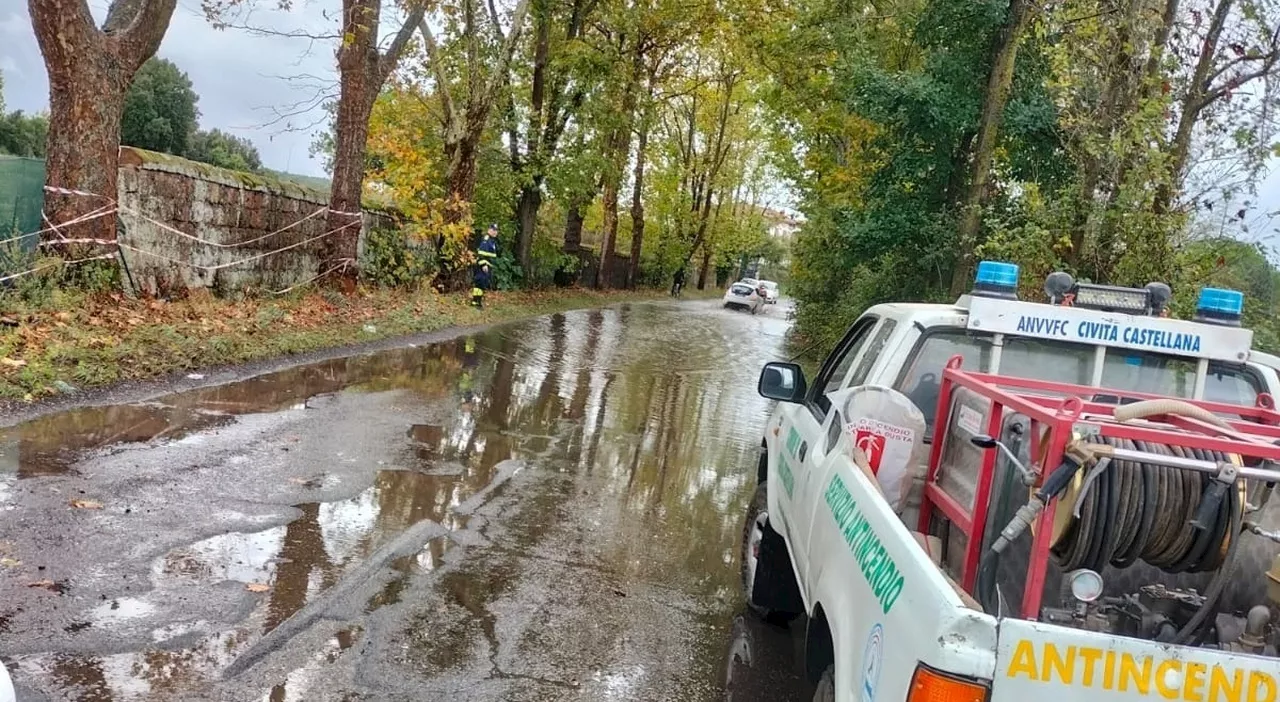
[1052,419]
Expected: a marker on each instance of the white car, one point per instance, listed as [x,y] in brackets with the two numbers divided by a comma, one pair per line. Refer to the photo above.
[770,292]
[744,296]
[7,693]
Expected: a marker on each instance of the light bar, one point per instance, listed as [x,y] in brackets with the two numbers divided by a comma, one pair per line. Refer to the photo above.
[1109,298]
[996,279]
[1220,306]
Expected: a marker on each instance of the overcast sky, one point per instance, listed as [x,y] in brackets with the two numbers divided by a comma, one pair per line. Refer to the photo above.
[240,78]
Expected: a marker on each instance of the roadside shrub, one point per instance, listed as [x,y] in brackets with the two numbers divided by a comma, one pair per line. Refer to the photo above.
[391,259]
[47,275]
[548,260]
[506,271]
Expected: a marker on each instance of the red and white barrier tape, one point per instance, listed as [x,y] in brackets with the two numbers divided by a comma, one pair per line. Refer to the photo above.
[346,263]
[221,266]
[218,244]
[55,264]
[94,214]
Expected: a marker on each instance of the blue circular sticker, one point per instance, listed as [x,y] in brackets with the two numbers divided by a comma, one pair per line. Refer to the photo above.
[872,658]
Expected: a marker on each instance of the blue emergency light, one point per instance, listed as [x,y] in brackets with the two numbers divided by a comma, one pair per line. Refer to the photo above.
[996,279]
[1220,306]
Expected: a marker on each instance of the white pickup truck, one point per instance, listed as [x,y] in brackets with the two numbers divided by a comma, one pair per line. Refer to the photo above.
[959,506]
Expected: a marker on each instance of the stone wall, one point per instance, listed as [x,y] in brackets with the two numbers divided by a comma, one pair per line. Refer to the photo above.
[240,215]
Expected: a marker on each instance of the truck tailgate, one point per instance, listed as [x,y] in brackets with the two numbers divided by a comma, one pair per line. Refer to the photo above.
[1037,661]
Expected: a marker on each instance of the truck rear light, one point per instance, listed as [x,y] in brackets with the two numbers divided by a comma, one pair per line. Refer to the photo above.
[929,685]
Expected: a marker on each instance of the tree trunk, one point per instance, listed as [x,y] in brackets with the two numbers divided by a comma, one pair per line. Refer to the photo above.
[608,241]
[1149,87]
[461,177]
[573,225]
[89,72]
[706,264]
[1000,79]
[531,195]
[351,133]
[637,208]
[361,73]
[619,150]
[82,154]
[527,216]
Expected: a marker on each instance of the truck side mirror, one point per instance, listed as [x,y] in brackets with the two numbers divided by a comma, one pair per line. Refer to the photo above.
[783,382]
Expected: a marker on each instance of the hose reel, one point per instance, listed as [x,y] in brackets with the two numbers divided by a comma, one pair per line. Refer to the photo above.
[1130,510]
[1133,504]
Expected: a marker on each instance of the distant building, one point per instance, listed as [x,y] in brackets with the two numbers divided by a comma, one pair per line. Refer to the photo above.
[782,225]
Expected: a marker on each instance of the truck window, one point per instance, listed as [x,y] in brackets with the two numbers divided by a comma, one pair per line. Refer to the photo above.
[1153,373]
[1233,385]
[874,349]
[1045,359]
[831,377]
[921,382]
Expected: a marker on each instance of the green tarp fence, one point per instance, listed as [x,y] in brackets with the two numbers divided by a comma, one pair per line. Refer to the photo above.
[21,197]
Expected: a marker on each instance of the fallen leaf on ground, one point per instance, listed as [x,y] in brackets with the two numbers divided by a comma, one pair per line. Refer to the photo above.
[257,587]
[10,562]
[46,584]
[86,504]
[13,362]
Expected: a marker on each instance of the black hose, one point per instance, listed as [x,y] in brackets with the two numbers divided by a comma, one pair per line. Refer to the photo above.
[1139,510]
[1235,519]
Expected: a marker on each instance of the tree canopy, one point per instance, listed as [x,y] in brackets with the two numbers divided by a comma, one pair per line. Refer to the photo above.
[160,110]
[910,138]
[219,148]
[21,134]
[161,113]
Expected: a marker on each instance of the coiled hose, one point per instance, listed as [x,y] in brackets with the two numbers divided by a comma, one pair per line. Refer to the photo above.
[1145,511]
[1138,510]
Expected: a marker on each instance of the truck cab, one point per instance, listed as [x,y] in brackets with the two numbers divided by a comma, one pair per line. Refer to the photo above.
[881,564]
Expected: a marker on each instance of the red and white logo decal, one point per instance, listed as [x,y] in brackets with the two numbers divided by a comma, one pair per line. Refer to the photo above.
[871,444]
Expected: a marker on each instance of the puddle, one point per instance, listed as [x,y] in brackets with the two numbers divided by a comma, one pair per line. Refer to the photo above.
[297,684]
[121,610]
[303,558]
[654,409]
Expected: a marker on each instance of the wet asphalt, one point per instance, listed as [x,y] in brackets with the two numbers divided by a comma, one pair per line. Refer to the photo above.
[547,510]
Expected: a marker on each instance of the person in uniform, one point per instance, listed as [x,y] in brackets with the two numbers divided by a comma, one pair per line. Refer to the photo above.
[466,379]
[486,254]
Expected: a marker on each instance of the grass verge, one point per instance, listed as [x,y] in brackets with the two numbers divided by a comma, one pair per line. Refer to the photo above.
[87,341]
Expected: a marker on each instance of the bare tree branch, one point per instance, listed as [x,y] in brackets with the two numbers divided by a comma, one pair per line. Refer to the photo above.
[387,61]
[134,29]
[437,67]
[498,32]
[508,50]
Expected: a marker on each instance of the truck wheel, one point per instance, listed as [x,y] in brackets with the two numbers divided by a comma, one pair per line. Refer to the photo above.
[826,690]
[758,572]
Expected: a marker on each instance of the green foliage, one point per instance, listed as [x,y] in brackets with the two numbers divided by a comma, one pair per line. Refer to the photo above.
[548,259]
[160,111]
[392,259]
[219,148]
[23,135]
[160,114]
[506,271]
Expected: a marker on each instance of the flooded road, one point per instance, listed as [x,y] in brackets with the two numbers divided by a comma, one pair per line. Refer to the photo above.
[547,510]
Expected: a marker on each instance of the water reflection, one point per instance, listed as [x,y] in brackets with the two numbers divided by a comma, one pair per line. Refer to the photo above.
[641,399]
